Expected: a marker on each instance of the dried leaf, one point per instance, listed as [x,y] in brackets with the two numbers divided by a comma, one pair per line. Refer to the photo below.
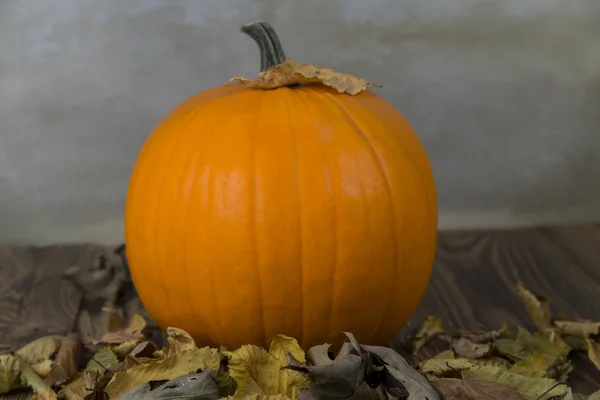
[577,327]
[255,370]
[44,396]
[534,366]
[594,396]
[319,355]
[102,360]
[537,307]
[456,389]
[200,386]
[80,387]
[529,388]
[163,369]
[431,327]
[43,368]
[144,349]
[417,386]
[467,348]
[283,346]
[134,331]
[178,341]
[9,372]
[125,348]
[293,73]
[65,364]
[594,352]
[444,362]
[31,379]
[40,349]
[339,379]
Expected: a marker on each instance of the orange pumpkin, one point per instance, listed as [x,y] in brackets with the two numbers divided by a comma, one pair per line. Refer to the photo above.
[295,209]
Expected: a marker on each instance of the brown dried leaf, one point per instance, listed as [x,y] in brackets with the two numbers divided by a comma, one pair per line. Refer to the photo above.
[538,307]
[143,350]
[132,332]
[178,341]
[457,389]
[431,327]
[292,73]
[65,364]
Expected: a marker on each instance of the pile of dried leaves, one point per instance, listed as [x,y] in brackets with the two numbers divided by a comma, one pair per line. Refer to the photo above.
[505,363]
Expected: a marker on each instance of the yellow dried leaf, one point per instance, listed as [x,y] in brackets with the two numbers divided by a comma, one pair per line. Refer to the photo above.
[179,340]
[81,386]
[535,366]
[594,352]
[537,307]
[582,328]
[530,388]
[102,360]
[293,73]
[594,396]
[444,362]
[43,368]
[254,368]
[430,328]
[125,347]
[282,346]
[40,349]
[33,380]
[167,368]
[9,372]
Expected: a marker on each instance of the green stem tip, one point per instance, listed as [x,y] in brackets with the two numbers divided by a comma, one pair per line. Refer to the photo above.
[271,51]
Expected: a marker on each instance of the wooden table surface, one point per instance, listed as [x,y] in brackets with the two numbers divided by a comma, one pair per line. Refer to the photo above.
[473,284]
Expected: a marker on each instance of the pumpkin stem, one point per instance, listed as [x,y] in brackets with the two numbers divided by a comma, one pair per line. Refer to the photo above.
[271,51]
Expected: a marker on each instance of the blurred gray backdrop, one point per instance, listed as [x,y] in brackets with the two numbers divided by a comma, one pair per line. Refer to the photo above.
[505,95]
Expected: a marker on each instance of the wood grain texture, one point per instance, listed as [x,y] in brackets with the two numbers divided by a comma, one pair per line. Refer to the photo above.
[472,286]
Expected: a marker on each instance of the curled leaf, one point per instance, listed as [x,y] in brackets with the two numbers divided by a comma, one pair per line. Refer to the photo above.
[538,307]
[40,349]
[401,371]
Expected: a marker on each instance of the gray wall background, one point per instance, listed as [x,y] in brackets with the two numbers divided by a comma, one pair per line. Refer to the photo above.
[505,95]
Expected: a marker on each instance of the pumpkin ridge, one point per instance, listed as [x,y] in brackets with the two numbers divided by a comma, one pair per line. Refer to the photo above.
[294,151]
[337,241]
[198,156]
[388,190]
[160,203]
[255,235]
